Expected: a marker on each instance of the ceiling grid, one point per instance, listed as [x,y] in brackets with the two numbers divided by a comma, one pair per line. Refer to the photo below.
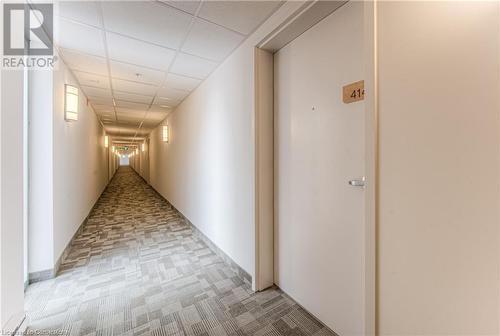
[136,61]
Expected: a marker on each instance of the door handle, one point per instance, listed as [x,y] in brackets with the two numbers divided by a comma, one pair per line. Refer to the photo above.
[358,182]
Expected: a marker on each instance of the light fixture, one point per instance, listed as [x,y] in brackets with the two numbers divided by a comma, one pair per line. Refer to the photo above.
[106,141]
[165,133]
[70,103]
[137,151]
[112,149]
[144,147]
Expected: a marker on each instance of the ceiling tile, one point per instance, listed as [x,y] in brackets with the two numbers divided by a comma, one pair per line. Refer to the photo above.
[181,82]
[151,124]
[192,66]
[82,11]
[134,87]
[156,115]
[172,94]
[106,112]
[242,16]
[184,5]
[133,110]
[121,104]
[76,36]
[158,108]
[89,79]
[148,21]
[121,129]
[126,118]
[136,73]
[96,92]
[134,98]
[129,50]
[165,103]
[211,41]
[102,101]
[110,118]
[130,122]
[86,63]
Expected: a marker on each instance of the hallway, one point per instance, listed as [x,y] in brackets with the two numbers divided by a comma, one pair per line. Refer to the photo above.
[136,267]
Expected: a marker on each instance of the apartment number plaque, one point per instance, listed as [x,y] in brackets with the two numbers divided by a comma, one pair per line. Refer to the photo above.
[353,92]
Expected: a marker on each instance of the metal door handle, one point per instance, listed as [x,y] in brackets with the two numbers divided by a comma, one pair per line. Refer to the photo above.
[358,183]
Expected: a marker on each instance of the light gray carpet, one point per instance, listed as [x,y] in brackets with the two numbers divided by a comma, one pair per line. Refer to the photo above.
[137,269]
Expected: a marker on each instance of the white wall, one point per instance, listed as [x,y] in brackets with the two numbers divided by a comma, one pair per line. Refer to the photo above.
[11,200]
[137,161]
[40,212]
[438,238]
[80,163]
[68,165]
[207,169]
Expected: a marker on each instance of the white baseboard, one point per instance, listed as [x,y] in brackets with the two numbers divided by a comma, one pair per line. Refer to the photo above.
[15,325]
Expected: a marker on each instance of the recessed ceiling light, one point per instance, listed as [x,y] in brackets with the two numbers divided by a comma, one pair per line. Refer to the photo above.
[165,106]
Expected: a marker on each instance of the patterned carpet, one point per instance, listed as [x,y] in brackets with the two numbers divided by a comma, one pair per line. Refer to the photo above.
[137,269]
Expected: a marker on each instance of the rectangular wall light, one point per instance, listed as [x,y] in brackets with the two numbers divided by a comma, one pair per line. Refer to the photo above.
[70,103]
[165,133]
[143,147]
[136,151]
[106,141]
[112,149]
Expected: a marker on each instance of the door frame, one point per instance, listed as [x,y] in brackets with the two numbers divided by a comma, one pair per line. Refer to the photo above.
[264,147]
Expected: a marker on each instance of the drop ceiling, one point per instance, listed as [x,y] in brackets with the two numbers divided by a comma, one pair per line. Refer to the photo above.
[137,60]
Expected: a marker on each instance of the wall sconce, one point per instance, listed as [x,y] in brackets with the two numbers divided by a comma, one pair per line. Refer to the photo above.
[106,141]
[112,149]
[143,147]
[137,151]
[70,103]
[165,133]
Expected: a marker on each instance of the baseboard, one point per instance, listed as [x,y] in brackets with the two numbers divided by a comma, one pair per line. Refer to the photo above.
[52,273]
[41,275]
[211,245]
[16,325]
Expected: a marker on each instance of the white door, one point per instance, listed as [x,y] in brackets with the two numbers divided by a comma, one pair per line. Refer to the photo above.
[319,147]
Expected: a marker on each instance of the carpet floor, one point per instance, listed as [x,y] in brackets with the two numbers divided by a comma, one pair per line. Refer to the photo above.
[136,268]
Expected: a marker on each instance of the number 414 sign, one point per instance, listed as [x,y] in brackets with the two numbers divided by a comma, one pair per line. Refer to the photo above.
[353,92]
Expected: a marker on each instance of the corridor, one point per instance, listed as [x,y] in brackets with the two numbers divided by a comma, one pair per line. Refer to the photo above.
[137,268]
